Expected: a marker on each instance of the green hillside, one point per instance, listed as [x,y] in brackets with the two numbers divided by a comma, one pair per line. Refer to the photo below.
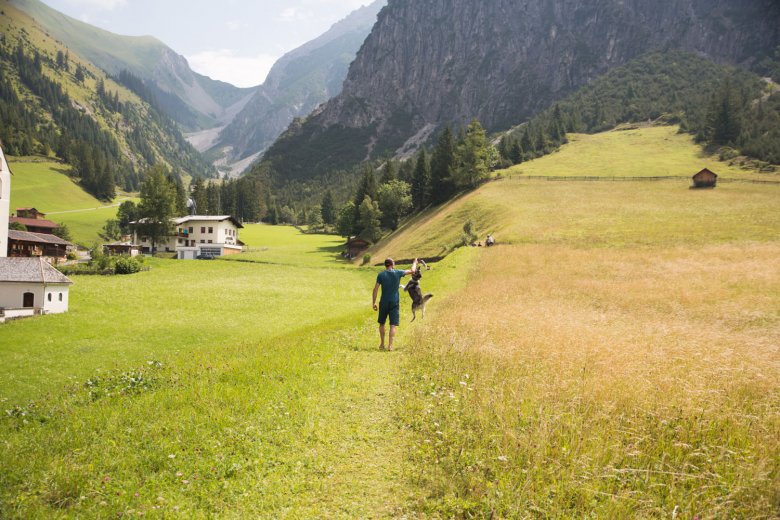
[47,187]
[109,51]
[145,56]
[529,211]
[55,102]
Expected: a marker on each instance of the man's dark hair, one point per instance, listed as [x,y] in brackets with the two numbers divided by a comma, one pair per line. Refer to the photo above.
[389,262]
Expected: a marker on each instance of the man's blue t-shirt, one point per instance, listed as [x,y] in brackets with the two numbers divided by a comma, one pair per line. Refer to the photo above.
[390,280]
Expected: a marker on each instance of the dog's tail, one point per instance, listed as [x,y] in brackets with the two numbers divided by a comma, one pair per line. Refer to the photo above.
[427,297]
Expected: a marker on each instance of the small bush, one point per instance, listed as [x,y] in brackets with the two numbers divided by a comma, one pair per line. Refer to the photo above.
[366,258]
[126,265]
[727,153]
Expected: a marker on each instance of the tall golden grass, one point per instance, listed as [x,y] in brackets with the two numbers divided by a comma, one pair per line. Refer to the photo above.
[608,383]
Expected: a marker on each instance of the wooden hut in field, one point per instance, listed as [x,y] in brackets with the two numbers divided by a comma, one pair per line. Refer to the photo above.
[355,247]
[705,179]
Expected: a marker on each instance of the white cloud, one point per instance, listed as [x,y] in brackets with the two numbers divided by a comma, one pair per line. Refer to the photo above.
[295,14]
[225,65]
[106,5]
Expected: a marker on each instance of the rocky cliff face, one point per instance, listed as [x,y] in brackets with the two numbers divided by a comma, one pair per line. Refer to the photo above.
[297,83]
[431,62]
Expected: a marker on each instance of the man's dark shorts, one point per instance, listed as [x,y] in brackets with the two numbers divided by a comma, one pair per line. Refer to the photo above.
[392,310]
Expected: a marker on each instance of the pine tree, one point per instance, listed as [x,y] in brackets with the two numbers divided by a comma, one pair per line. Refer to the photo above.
[473,165]
[369,220]
[79,75]
[214,199]
[389,173]
[328,210]
[200,197]
[366,188]
[442,164]
[157,205]
[421,182]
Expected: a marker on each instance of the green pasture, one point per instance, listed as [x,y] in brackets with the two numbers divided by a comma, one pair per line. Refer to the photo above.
[655,151]
[46,186]
[596,214]
[287,245]
[208,388]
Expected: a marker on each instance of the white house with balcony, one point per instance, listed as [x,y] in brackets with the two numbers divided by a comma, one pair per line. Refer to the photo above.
[198,235]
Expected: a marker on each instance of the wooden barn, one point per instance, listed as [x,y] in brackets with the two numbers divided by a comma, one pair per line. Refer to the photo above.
[355,247]
[705,179]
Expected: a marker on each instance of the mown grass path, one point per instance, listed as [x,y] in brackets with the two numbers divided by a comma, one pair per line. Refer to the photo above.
[202,389]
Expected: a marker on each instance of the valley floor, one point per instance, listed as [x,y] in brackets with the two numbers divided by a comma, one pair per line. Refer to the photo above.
[617,355]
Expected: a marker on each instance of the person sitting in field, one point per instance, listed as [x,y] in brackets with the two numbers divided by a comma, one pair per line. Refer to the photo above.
[489,241]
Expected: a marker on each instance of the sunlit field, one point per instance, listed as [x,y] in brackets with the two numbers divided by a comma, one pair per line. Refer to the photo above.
[45,186]
[287,245]
[630,151]
[208,388]
[624,383]
[595,214]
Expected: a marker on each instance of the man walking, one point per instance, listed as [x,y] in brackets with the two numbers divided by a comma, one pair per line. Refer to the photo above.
[390,302]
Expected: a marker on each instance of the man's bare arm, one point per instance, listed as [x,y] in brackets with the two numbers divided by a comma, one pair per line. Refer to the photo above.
[373,297]
[413,269]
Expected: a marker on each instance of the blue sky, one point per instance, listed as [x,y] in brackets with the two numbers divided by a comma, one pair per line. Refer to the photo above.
[231,40]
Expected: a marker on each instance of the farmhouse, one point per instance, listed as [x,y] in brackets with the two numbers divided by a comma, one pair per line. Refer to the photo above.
[28,245]
[30,213]
[197,235]
[30,286]
[705,179]
[123,247]
[34,221]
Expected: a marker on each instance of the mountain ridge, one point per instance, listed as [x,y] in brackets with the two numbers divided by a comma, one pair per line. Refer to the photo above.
[208,101]
[428,63]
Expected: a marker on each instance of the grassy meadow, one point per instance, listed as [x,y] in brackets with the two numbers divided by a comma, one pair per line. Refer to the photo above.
[635,151]
[615,356]
[286,245]
[45,185]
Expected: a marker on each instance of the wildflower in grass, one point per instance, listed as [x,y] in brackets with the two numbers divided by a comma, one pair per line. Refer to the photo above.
[171,456]
[503,458]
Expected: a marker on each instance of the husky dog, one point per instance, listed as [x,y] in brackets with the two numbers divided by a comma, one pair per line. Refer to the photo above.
[413,288]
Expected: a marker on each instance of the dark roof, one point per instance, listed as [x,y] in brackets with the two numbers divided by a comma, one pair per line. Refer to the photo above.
[38,238]
[705,171]
[35,222]
[30,270]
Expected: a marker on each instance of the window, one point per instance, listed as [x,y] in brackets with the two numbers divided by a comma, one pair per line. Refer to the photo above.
[60,296]
[49,296]
[211,241]
[191,230]
[180,240]
[203,230]
[211,230]
[202,241]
